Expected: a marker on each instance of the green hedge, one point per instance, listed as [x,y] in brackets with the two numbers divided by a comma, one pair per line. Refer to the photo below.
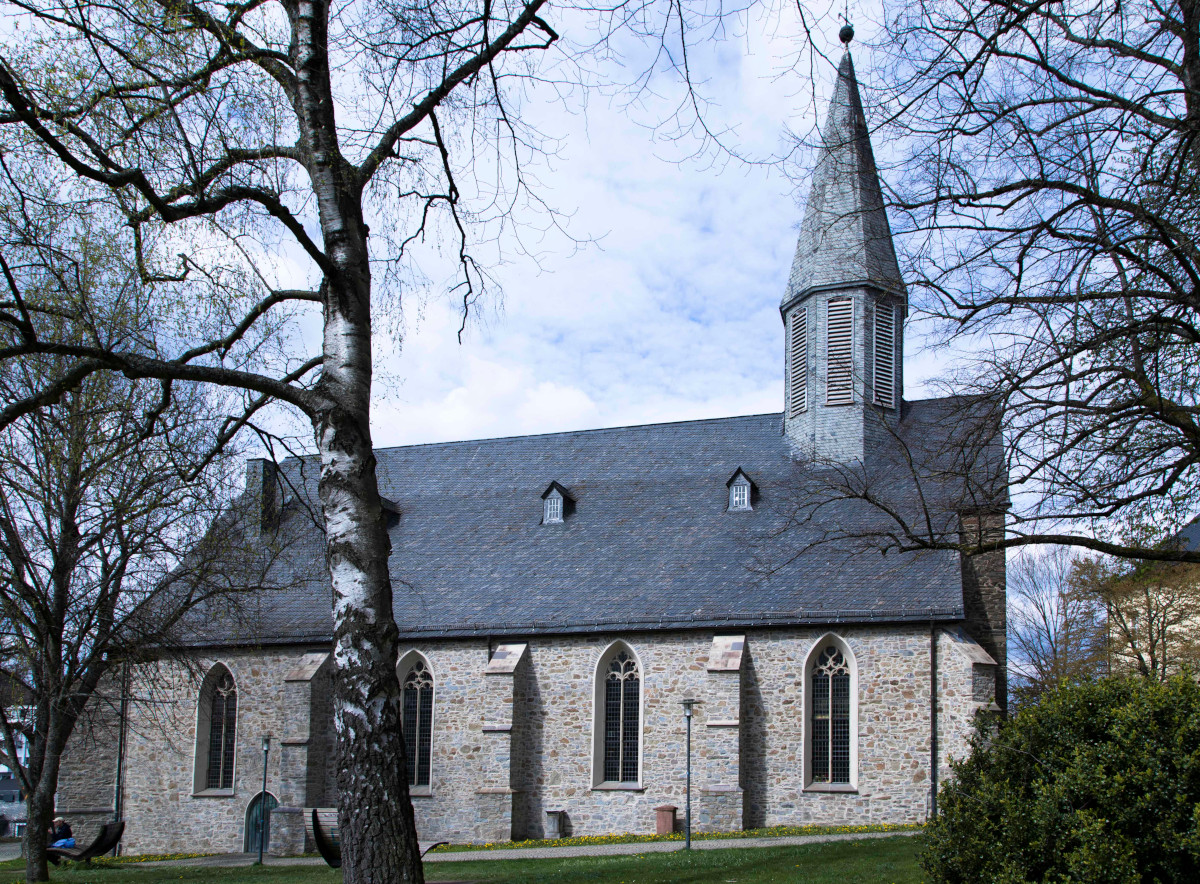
[1097,783]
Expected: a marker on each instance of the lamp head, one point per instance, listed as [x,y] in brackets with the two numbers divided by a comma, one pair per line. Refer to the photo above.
[266,742]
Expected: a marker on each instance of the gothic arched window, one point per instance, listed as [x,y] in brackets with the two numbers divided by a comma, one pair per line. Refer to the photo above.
[417,723]
[830,709]
[216,731]
[619,717]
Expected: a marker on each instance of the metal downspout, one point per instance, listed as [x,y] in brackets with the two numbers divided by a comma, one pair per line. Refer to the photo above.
[933,721]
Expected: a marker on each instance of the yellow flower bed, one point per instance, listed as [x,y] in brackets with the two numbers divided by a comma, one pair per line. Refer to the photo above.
[629,838]
[145,858]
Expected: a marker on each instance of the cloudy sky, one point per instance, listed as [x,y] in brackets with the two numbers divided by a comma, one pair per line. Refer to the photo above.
[672,314]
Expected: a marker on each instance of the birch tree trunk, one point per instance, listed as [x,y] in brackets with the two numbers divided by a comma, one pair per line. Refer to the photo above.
[377,827]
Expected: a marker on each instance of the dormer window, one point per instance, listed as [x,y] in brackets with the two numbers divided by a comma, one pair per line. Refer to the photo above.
[552,508]
[741,493]
[557,504]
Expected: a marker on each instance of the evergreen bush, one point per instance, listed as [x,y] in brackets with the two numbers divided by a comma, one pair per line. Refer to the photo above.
[1096,783]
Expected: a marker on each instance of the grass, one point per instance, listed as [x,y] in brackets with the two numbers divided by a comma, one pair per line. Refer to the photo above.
[870,861]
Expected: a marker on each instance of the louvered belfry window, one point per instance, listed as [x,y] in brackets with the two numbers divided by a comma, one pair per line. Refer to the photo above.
[417,723]
[840,352]
[622,719]
[222,733]
[885,355]
[798,362]
[830,685]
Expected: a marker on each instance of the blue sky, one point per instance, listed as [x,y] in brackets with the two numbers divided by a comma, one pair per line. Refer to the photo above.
[673,313]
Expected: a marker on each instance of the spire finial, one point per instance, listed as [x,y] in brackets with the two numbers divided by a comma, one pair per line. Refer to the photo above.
[846,34]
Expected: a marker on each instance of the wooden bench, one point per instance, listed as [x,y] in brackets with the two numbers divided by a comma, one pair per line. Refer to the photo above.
[110,834]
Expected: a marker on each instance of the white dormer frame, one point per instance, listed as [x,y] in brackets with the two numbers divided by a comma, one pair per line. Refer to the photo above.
[556,504]
[741,493]
[552,508]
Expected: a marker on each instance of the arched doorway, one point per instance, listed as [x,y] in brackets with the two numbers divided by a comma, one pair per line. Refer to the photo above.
[254,816]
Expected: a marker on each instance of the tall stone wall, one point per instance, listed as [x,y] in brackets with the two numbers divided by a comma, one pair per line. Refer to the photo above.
[985,595]
[163,812]
[513,743]
[87,775]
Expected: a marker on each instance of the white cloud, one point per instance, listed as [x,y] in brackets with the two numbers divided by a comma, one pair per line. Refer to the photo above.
[673,315]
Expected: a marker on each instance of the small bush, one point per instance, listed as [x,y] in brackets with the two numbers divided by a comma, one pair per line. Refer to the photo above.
[1097,783]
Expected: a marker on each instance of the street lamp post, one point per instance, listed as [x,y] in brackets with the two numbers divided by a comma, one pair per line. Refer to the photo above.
[687,825]
[262,801]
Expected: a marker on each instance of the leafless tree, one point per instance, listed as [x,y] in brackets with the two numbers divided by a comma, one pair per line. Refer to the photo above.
[1056,628]
[103,495]
[1044,167]
[229,144]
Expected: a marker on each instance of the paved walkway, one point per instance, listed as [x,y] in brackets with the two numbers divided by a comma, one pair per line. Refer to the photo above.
[245,859]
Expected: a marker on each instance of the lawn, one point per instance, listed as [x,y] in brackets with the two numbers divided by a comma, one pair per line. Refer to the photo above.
[872,861]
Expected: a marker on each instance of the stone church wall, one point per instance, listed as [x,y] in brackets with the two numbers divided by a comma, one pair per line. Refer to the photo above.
[509,747]
[163,813]
[87,775]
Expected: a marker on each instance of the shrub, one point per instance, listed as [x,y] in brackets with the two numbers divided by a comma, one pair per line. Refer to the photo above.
[1097,783]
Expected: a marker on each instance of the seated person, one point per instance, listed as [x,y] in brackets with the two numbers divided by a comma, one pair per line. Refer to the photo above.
[60,834]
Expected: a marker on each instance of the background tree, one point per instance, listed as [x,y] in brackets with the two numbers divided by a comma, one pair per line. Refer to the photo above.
[1056,627]
[1043,158]
[100,510]
[248,149]
[1152,612]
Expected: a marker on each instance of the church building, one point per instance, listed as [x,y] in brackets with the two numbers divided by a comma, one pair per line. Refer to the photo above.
[560,596]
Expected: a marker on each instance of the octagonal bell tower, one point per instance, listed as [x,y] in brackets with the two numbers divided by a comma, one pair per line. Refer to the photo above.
[845,304]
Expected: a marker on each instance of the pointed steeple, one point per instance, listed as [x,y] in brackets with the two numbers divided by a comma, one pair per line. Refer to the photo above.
[845,239]
[844,308]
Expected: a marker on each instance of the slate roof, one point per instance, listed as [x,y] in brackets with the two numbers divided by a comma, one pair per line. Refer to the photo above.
[844,237]
[649,545]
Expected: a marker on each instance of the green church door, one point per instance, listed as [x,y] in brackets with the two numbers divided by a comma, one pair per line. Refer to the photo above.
[256,826]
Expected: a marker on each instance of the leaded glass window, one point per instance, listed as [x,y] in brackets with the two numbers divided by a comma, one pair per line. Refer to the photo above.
[417,723]
[830,725]
[222,732]
[622,719]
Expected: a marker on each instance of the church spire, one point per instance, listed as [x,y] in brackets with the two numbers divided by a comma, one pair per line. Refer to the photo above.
[845,303]
[844,239]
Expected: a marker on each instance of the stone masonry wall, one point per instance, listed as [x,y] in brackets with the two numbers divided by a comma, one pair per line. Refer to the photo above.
[508,748]
[162,813]
[87,775]
[985,598]
[893,729]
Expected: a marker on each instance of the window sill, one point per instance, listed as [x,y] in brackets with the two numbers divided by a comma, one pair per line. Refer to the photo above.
[214,793]
[420,791]
[618,787]
[832,787]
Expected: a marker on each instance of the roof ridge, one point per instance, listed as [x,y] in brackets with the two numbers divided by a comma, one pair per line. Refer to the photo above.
[587,431]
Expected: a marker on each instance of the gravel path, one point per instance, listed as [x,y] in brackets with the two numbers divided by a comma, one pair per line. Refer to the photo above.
[245,859]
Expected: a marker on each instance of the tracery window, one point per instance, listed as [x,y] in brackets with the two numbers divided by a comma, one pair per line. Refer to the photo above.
[622,719]
[216,731]
[829,726]
[417,722]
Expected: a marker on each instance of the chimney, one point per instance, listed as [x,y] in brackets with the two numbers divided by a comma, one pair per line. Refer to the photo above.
[262,493]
